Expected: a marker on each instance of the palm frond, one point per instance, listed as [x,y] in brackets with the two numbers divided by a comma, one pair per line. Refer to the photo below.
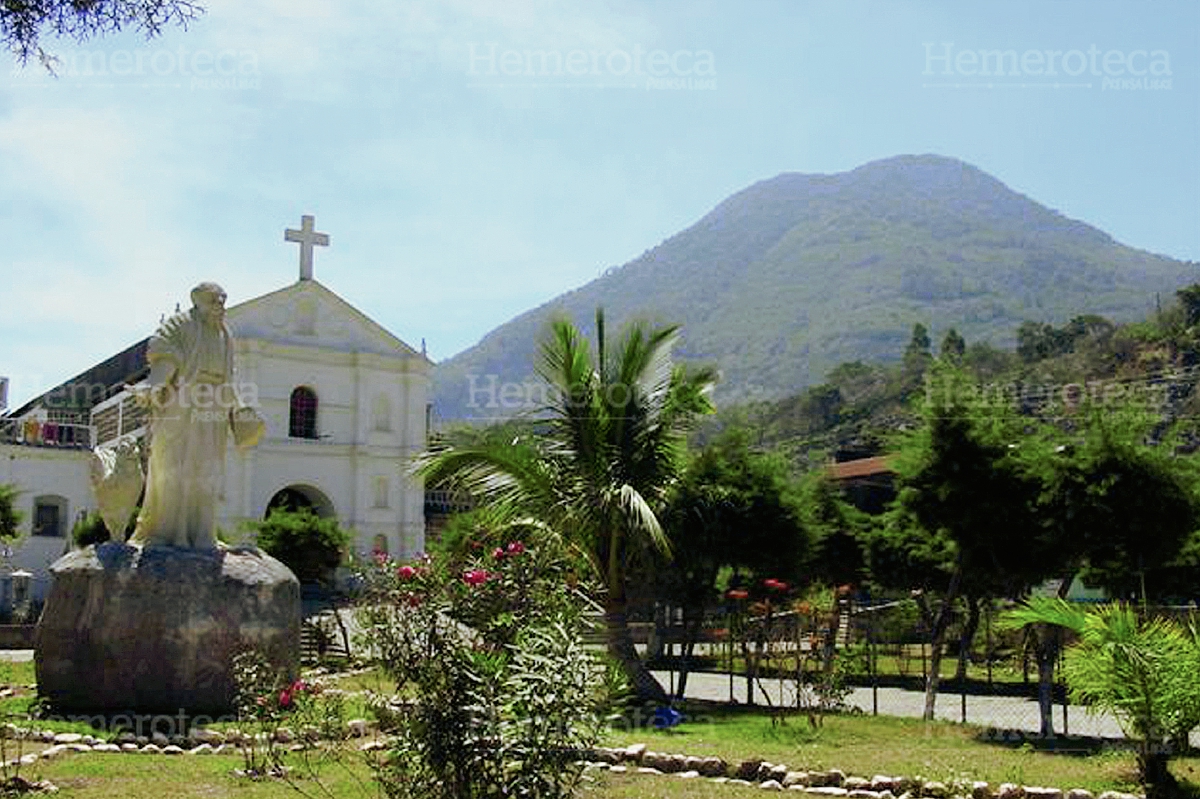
[640,517]
[1044,610]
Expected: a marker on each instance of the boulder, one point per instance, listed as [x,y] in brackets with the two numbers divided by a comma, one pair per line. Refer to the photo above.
[155,629]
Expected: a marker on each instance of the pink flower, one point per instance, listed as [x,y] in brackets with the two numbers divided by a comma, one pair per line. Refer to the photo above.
[406,572]
[476,577]
[497,553]
[285,697]
[515,548]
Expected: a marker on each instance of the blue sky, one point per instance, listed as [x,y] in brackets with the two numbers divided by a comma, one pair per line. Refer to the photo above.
[473,159]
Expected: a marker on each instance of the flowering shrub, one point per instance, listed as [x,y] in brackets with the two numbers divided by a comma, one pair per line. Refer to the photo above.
[273,709]
[496,693]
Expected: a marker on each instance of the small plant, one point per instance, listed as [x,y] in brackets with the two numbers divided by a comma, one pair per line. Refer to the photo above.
[263,698]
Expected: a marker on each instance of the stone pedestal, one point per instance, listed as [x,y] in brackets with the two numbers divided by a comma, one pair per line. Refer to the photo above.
[155,630]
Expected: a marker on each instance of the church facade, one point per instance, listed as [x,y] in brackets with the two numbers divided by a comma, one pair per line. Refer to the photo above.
[345,404]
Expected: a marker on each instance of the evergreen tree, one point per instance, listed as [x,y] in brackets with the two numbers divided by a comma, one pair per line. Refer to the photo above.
[953,346]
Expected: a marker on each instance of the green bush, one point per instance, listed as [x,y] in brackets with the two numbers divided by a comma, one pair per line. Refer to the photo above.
[501,698]
[91,529]
[10,517]
[310,546]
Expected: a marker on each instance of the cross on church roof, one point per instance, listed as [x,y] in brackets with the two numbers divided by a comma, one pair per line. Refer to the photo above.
[306,237]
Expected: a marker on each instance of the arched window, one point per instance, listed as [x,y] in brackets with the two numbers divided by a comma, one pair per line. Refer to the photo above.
[302,419]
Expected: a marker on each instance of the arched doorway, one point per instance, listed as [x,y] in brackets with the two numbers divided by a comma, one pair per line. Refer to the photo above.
[297,497]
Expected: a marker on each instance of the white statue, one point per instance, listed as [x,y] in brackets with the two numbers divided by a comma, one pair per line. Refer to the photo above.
[194,405]
[117,477]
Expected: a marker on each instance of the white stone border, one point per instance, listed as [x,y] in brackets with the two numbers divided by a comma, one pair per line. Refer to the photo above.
[637,759]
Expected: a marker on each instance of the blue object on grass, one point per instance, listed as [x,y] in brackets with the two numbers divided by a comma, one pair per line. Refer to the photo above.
[666,717]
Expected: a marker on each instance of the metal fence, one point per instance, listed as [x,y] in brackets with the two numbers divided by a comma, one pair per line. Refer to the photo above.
[875,657]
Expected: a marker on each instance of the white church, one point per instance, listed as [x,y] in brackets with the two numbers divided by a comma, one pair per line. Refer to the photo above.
[345,403]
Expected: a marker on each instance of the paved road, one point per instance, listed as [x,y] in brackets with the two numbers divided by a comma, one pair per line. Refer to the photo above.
[1000,712]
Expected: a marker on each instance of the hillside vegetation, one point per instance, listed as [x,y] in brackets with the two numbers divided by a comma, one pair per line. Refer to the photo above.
[794,275]
[1154,362]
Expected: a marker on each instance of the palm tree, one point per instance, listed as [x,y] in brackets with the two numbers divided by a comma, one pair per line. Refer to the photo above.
[1141,669]
[609,443]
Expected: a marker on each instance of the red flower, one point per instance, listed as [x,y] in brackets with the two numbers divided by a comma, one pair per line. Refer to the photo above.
[476,577]
[497,553]
[737,593]
[406,572]
[772,584]
[515,548]
[285,697]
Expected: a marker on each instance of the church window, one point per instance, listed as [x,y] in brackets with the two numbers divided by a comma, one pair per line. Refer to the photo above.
[381,491]
[382,413]
[49,513]
[302,420]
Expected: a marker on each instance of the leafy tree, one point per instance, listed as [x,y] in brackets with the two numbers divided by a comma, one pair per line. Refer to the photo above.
[837,529]
[820,406]
[10,517]
[954,346]
[964,510]
[854,379]
[733,508]
[1142,670]
[1116,509]
[599,467]
[1128,507]
[1189,299]
[1039,340]
[310,546]
[986,361]
[23,23]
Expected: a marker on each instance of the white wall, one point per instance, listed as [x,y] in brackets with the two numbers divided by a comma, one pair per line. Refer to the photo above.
[45,470]
[350,452]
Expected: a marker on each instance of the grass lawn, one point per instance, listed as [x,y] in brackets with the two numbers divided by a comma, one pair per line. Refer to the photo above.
[866,745]
[859,745]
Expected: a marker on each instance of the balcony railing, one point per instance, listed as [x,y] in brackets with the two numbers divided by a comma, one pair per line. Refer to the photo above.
[32,433]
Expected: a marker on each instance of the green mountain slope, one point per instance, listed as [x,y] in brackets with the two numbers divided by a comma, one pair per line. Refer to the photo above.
[793,275]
